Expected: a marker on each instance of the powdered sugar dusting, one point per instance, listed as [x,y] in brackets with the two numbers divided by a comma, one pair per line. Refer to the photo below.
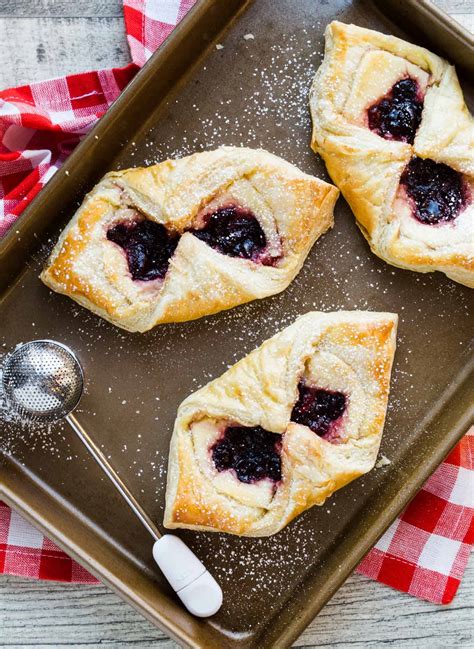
[279,90]
[134,383]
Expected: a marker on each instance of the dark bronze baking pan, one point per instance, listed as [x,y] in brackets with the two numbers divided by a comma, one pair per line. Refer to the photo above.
[192,96]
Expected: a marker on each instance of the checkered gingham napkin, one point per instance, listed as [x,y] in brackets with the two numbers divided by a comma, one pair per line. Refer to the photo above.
[424,552]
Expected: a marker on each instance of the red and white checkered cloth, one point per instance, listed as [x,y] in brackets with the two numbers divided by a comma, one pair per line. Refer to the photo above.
[424,552]
[41,123]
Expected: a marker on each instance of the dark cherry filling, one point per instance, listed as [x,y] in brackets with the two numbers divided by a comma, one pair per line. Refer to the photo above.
[254,453]
[233,231]
[148,246]
[397,116]
[318,409]
[438,191]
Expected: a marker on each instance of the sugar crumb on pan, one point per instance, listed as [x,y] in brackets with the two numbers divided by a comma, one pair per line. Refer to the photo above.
[382,461]
[274,110]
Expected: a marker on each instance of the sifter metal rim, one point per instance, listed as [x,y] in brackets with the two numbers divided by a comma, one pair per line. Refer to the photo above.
[46,418]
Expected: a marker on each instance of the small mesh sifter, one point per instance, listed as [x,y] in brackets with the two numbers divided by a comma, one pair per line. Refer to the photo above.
[42,381]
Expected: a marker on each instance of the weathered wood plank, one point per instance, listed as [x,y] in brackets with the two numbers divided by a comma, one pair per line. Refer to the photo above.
[456,6]
[362,614]
[109,8]
[61,8]
[32,49]
[466,20]
[35,614]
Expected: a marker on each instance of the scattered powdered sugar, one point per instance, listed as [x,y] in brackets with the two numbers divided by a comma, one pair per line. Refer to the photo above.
[382,461]
[267,564]
[274,106]
[274,114]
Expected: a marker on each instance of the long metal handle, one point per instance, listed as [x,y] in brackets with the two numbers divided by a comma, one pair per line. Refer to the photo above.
[194,585]
[121,487]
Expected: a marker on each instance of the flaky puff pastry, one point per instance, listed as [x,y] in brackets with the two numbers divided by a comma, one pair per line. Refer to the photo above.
[360,67]
[292,208]
[348,353]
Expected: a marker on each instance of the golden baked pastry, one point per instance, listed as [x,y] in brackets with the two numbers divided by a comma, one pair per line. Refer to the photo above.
[280,431]
[391,124]
[190,237]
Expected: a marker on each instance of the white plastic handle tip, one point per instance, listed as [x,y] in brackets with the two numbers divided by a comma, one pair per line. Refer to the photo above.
[194,585]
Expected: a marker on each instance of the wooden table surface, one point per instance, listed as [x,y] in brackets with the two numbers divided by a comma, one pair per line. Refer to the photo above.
[47,38]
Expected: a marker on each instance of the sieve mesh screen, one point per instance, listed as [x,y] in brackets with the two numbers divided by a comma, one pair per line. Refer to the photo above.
[42,380]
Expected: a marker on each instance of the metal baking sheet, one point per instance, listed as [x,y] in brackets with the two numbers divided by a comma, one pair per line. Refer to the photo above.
[193,96]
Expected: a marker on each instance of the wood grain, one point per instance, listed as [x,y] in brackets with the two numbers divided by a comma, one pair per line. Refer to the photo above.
[61,8]
[361,614]
[57,46]
[47,38]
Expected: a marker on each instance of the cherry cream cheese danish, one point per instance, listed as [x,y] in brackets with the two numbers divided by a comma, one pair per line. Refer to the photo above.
[190,237]
[280,431]
[390,122]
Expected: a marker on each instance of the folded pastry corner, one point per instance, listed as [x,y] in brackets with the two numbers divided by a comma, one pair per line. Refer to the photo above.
[285,427]
[391,124]
[189,237]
